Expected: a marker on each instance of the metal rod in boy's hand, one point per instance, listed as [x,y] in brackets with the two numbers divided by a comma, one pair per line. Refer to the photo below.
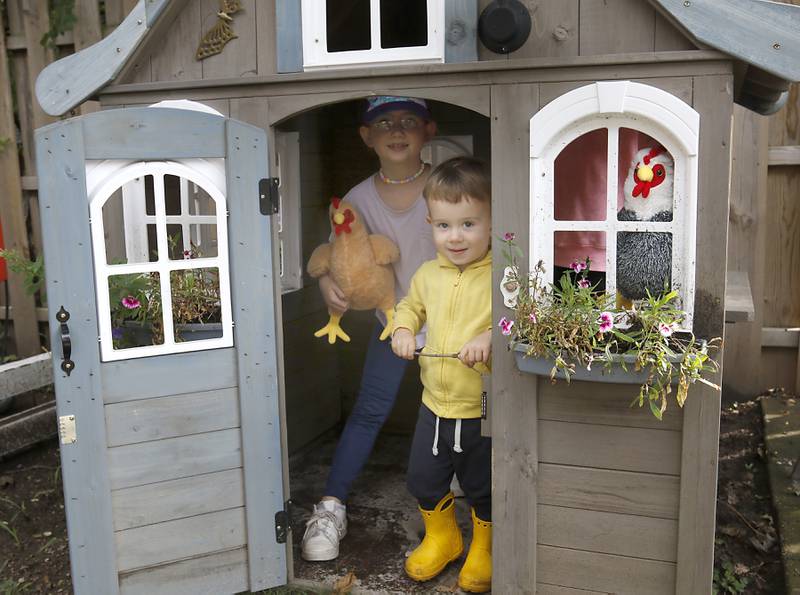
[420,354]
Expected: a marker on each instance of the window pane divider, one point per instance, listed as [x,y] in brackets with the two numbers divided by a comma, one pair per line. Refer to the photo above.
[612,202]
[163,259]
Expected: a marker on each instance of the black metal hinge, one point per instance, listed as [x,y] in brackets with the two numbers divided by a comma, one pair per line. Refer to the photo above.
[268,198]
[282,523]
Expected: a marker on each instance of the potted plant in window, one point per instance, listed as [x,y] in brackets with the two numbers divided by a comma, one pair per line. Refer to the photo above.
[136,306]
[570,330]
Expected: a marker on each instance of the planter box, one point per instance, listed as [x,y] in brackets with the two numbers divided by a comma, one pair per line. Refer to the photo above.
[599,373]
[187,332]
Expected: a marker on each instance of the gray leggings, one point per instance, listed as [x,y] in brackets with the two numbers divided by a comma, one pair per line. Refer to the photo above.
[429,475]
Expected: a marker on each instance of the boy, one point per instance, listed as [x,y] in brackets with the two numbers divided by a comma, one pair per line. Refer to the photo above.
[391,203]
[453,295]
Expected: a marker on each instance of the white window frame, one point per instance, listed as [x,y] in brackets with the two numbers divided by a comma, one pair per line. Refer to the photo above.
[614,105]
[315,39]
[103,180]
[287,170]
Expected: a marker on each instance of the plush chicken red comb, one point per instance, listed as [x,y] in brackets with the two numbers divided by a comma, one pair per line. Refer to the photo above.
[335,201]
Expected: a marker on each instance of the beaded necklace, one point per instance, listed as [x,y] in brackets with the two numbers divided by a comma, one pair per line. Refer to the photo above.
[387,180]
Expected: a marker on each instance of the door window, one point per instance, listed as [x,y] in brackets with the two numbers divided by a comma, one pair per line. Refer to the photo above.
[161,263]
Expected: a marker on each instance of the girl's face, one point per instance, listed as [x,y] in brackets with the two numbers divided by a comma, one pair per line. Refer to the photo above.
[398,136]
[462,230]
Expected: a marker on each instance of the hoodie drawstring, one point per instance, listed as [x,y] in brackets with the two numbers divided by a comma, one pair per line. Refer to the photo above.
[435,449]
[456,438]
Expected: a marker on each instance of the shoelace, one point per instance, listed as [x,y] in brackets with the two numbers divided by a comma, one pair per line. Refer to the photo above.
[319,521]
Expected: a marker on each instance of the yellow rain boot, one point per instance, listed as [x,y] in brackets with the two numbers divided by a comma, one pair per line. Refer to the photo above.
[442,543]
[476,575]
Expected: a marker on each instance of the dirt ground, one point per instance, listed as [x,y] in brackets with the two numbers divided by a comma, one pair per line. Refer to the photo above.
[34,558]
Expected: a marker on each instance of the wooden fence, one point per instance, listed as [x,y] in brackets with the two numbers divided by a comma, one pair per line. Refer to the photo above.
[764,238]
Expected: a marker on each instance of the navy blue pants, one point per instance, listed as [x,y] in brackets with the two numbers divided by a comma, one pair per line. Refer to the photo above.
[380,381]
[429,475]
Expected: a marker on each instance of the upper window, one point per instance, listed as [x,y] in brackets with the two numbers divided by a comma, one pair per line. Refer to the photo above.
[614,182]
[353,32]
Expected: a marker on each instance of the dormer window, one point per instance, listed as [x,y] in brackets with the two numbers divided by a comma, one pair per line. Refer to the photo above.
[356,32]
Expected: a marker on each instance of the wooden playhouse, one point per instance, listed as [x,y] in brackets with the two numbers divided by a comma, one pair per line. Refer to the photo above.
[176,454]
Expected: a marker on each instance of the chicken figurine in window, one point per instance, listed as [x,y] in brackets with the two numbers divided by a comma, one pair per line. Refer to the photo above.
[360,264]
[644,259]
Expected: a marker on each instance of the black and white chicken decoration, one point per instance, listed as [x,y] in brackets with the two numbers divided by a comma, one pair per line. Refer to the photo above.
[644,259]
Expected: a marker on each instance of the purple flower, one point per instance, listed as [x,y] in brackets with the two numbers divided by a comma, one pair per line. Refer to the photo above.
[130,302]
[583,283]
[505,325]
[577,266]
[532,317]
[509,236]
[116,333]
[606,321]
[666,329]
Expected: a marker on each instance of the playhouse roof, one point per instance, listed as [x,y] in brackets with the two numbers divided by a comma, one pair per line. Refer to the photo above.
[763,38]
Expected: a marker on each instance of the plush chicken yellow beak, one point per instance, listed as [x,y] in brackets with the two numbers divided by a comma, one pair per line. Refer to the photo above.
[644,173]
[338,218]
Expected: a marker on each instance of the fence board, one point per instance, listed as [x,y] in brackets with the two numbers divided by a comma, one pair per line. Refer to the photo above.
[13,218]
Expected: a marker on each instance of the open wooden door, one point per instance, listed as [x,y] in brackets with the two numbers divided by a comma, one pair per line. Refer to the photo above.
[170,439]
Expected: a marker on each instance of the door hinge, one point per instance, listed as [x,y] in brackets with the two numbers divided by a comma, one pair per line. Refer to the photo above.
[282,522]
[268,197]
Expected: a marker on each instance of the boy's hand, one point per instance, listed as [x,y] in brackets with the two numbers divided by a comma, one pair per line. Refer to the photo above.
[476,350]
[403,343]
[333,295]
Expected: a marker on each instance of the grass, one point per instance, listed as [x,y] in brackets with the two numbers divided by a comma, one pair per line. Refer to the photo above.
[12,587]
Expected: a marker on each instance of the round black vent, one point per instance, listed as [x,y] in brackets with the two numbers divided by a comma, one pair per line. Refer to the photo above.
[504,26]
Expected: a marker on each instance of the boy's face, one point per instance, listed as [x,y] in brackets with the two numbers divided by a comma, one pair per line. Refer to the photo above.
[398,136]
[462,230]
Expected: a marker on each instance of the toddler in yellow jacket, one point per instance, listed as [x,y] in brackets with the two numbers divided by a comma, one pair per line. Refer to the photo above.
[453,295]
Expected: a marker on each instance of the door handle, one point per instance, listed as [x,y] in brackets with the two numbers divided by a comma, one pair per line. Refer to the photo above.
[66,343]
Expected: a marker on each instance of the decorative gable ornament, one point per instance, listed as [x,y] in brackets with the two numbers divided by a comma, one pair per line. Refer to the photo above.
[221,33]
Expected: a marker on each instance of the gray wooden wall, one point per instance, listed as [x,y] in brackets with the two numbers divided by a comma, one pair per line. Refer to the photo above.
[561,28]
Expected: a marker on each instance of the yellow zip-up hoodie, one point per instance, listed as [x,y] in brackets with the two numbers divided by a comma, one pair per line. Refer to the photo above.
[457,305]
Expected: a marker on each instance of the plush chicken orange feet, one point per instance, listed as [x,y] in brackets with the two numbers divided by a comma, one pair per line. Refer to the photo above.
[333,330]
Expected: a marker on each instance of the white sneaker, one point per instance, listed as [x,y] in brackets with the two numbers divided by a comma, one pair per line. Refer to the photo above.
[326,527]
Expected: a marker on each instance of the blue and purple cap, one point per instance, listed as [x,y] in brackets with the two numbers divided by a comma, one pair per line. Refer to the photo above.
[381,104]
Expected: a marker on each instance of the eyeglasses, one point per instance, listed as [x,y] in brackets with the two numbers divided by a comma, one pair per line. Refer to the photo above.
[385,125]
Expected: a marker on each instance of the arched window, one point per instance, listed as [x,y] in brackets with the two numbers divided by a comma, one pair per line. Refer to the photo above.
[613,173]
[159,234]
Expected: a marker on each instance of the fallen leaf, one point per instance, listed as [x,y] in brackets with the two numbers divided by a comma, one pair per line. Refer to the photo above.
[6,481]
[344,584]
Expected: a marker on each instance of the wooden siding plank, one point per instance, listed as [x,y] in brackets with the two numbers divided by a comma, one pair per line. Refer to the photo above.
[178,498]
[224,572]
[554,30]
[609,533]
[154,133]
[238,57]
[168,417]
[266,38]
[213,369]
[669,38]
[714,102]
[289,36]
[26,331]
[633,19]
[601,403]
[460,31]
[738,297]
[789,155]
[256,295]
[610,447]
[545,589]
[173,458]
[26,374]
[609,491]
[513,402]
[68,261]
[174,59]
[166,542]
[611,574]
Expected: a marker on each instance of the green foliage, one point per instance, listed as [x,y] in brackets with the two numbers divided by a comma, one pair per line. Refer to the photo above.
[4,142]
[32,271]
[727,582]
[62,19]
[11,587]
[573,324]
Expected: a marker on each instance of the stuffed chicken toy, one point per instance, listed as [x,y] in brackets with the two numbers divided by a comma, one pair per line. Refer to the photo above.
[644,259]
[360,264]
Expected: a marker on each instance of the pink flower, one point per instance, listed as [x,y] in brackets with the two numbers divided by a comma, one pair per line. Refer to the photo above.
[130,302]
[187,255]
[509,236]
[606,321]
[532,317]
[665,329]
[578,266]
[505,325]
[583,283]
